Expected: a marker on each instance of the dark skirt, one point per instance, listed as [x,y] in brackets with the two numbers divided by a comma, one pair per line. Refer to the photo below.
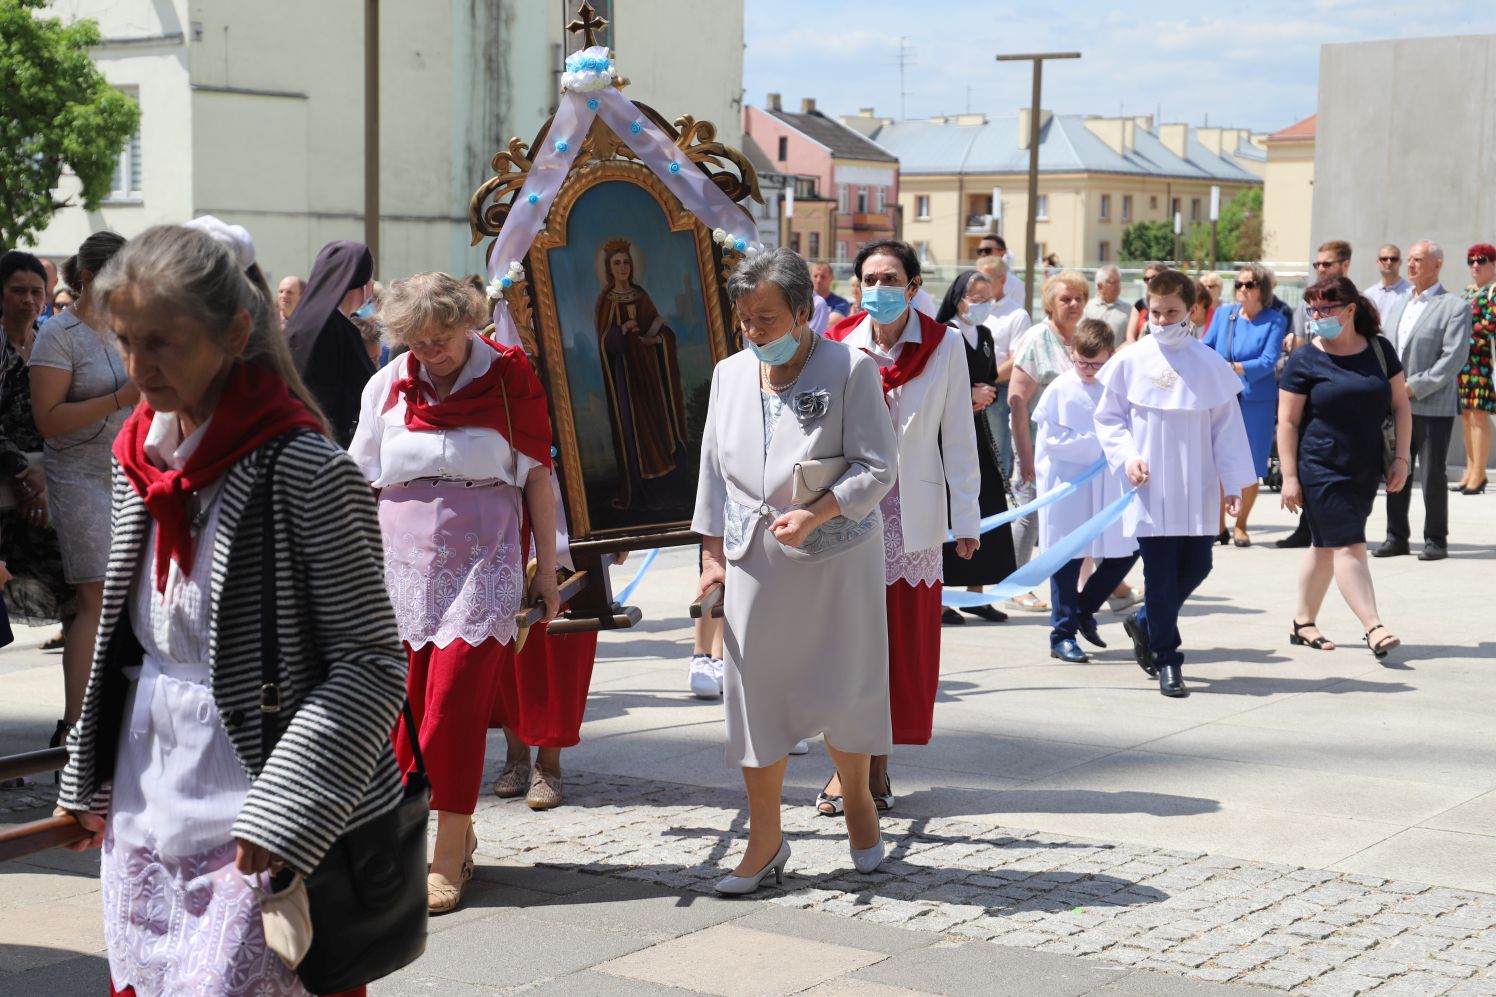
[1337,509]
[995,560]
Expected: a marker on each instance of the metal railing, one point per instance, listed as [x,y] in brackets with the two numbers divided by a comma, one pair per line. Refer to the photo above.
[19,840]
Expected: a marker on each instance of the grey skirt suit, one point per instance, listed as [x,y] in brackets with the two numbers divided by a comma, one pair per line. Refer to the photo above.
[805,644]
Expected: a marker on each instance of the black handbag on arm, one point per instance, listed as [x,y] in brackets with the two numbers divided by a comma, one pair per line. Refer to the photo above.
[367,898]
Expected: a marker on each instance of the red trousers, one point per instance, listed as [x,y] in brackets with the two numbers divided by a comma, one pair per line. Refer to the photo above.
[542,691]
[451,692]
[913,659]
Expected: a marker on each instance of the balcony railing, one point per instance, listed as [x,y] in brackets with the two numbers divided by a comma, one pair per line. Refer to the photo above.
[864,220]
[979,223]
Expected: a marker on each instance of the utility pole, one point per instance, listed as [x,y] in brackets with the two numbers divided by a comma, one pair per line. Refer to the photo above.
[371,128]
[1031,248]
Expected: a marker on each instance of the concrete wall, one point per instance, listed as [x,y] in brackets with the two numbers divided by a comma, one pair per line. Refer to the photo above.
[1406,138]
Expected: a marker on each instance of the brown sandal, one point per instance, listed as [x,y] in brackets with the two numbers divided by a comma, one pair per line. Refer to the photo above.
[545,790]
[442,895]
[513,781]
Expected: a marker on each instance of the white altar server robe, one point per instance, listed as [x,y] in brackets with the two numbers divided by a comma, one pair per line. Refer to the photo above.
[1175,408]
[1066,446]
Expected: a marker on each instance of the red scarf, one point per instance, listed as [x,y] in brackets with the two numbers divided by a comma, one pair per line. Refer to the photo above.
[481,403]
[254,409]
[912,357]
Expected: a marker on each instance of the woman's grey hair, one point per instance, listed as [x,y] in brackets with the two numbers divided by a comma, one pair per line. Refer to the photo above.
[194,275]
[781,267]
[1265,278]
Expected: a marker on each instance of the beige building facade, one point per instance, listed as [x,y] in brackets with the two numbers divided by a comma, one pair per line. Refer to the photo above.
[1288,194]
[254,112]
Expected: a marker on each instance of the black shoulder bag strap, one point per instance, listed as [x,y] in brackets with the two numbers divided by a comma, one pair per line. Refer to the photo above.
[270,697]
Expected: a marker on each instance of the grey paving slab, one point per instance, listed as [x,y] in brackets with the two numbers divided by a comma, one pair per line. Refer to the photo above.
[833,930]
[75,975]
[638,910]
[510,950]
[418,985]
[975,970]
[596,984]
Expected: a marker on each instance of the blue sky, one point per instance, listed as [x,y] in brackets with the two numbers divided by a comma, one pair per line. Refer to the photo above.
[1252,65]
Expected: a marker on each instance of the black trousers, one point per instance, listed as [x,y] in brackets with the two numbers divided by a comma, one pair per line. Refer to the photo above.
[1431,434]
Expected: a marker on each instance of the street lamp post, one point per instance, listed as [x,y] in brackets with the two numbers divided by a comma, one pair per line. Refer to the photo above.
[371,128]
[1030,250]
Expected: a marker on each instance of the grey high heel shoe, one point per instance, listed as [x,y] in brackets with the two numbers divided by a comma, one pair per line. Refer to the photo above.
[739,885]
[868,859]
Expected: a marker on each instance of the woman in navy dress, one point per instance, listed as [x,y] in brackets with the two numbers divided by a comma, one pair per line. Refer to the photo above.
[1335,393]
[1250,335]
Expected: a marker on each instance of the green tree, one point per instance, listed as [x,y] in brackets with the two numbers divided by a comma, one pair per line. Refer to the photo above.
[1238,233]
[58,111]
[1147,241]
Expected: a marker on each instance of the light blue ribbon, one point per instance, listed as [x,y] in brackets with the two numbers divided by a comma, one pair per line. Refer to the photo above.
[628,590]
[1028,577]
[1048,498]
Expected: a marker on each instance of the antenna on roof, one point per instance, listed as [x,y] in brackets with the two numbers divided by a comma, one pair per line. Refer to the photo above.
[905,59]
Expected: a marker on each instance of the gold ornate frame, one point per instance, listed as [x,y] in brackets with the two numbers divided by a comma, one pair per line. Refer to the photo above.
[604,157]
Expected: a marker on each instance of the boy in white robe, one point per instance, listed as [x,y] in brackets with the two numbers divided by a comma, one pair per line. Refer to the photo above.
[1169,418]
[1066,447]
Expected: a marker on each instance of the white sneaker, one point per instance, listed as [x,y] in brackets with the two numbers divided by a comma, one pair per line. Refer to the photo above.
[717,671]
[801,748]
[704,681]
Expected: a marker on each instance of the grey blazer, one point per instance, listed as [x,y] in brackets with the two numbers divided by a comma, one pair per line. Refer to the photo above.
[734,465]
[341,668]
[1435,351]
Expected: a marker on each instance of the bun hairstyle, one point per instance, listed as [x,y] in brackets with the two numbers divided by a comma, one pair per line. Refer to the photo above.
[92,257]
[70,272]
[1341,291]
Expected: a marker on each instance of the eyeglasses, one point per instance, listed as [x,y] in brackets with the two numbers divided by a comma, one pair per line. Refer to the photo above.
[1087,364]
[1324,310]
[1389,259]
[1478,261]
[1325,264]
[985,250]
[1245,285]
[882,280]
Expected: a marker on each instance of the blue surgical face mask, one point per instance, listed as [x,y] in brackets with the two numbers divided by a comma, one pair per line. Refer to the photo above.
[1325,328]
[884,304]
[780,351]
[365,310]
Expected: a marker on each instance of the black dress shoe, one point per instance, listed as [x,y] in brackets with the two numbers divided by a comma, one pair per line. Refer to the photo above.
[1091,634]
[1391,548]
[1171,682]
[1068,650]
[1223,537]
[950,617]
[1298,538]
[989,613]
[1140,651]
[1433,552]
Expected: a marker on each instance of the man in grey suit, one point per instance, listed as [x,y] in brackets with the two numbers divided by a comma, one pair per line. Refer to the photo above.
[1431,331]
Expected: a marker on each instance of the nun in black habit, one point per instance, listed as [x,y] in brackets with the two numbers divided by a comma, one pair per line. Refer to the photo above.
[327,347]
[966,306]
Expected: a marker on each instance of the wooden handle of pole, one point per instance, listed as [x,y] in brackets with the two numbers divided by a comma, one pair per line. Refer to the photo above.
[709,604]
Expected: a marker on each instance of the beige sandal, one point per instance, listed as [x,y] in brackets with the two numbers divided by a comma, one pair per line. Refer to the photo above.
[545,790]
[513,781]
[442,895]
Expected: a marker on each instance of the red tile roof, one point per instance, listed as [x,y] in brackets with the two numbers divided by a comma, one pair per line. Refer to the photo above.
[1299,130]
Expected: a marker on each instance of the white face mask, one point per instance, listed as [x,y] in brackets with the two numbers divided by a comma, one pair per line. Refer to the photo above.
[977,314]
[1170,335]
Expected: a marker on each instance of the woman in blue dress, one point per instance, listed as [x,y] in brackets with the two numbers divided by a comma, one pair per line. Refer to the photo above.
[1336,392]
[1249,335]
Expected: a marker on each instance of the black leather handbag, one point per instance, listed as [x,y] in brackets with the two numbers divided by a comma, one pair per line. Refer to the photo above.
[368,896]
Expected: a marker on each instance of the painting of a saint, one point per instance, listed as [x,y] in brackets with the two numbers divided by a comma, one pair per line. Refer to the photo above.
[641,378]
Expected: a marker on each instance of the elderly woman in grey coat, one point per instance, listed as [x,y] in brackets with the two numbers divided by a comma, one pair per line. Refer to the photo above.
[797,451]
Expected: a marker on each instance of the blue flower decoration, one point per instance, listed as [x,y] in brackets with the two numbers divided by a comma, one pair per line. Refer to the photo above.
[533,198]
[636,128]
[579,62]
[593,104]
[505,282]
[675,167]
[561,145]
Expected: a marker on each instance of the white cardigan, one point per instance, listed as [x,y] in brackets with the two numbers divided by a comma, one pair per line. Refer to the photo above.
[937,439]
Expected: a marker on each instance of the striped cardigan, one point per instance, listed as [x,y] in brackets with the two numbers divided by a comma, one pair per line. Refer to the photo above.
[341,668]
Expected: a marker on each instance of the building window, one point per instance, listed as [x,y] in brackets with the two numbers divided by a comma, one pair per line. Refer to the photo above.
[1106,207]
[922,250]
[815,245]
[1194,209]
[1041,250]
[1153,202]
[784,148]
[862,200]
[1127,207]
[1173,207]
[841,250]
[881,202]
[126,185]
[1041,208]
[843,193]
[922,207]
[1104,252]
[795,241]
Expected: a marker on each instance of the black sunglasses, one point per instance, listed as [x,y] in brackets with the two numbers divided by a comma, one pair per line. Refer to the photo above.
[985,250]
[1477,261]
[1325,265]
[1246,285]
[1389,259]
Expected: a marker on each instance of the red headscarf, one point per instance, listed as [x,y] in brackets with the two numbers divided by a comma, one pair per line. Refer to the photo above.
[481,403]
[254,409]
[911,359]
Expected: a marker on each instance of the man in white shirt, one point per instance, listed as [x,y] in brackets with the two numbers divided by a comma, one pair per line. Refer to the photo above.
[1393,287]
[1007,323]
[993,247]
[1107,306]
[1431,330]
